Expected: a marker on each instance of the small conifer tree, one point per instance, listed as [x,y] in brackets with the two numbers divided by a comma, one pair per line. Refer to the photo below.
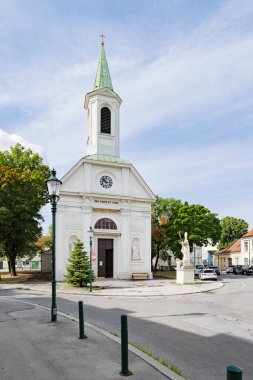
[78,268]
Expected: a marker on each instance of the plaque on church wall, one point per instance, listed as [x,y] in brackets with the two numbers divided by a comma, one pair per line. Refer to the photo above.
[111,211]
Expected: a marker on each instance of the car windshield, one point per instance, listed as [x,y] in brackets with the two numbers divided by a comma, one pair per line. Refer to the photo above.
[208,271]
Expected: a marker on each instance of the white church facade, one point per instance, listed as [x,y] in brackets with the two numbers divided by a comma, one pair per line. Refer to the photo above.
[106,193]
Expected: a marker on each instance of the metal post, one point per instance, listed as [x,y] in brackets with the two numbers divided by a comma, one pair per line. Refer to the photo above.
[124,346]
[194,255]
[54,306]
[90,264]
[81,321]
[234,372]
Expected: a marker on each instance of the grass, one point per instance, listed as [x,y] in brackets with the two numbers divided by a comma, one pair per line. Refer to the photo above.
[72,287]
[165,274]
[113,333]
[165,362]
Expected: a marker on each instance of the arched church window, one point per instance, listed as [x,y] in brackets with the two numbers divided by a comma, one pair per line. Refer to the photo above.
[105,120]
[105,224]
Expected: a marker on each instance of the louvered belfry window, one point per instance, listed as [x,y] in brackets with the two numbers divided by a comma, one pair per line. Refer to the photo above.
[105,120]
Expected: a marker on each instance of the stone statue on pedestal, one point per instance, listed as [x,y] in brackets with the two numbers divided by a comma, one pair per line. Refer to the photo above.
[186,250]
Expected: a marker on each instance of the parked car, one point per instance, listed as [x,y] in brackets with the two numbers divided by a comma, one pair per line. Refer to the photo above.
[208,274]
[249,271]
[216,269]
[230,269]
[239,269]
[199,266]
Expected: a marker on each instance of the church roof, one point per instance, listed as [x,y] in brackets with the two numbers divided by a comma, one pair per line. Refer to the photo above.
[103,78]
[106,158]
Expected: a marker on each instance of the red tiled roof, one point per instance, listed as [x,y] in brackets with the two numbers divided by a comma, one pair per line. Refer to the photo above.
[249,233]
[235,247]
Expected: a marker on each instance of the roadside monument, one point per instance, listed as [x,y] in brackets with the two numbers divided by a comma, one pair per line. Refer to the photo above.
[185,271]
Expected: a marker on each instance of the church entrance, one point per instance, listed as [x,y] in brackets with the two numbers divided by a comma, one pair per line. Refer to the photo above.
[105,258]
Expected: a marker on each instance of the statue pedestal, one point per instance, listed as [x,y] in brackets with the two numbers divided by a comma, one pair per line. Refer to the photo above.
[185,275]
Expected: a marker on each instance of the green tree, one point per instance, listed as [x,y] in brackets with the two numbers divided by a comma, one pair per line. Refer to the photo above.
[45,241]
[231,230]
[22,194]
[78,268]
[162,211]
[202,226]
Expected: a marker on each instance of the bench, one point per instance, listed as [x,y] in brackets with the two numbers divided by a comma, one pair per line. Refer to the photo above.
[140,275]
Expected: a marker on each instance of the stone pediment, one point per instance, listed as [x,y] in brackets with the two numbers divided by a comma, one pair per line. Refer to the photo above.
[84,179]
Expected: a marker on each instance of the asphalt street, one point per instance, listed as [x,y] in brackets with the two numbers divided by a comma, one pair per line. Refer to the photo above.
[200,333]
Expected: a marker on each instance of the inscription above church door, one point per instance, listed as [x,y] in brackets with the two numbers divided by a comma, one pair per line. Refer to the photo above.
[105,258]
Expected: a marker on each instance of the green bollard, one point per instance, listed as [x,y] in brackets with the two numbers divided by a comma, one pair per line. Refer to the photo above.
[124,347]
[234,373]
[81,321]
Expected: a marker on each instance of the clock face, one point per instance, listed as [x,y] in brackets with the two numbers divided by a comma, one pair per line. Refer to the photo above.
[106,181]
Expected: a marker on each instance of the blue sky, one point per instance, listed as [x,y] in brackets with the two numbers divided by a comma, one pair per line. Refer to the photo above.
[184,69]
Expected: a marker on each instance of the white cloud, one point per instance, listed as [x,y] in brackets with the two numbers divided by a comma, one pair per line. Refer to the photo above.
[8,140]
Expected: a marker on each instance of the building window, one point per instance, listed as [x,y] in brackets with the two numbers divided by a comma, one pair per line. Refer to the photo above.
[105,224]
[246,246]
[105,120]
[236,261]
[245,261]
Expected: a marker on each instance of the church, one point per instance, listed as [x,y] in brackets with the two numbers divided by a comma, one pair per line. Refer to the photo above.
[106,193]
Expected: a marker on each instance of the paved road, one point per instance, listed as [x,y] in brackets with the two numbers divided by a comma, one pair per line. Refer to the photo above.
[201,333]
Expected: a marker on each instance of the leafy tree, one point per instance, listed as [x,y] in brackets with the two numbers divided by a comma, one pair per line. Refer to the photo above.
[45,241]
[231,230]
[78,268]
[22,194]
[162,211]
[202,226]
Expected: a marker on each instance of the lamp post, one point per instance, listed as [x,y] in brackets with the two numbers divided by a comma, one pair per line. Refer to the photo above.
[194,254]
[90,232]
[53,185]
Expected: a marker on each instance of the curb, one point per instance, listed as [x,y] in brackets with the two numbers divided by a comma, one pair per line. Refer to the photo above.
[59,291]
[154,363]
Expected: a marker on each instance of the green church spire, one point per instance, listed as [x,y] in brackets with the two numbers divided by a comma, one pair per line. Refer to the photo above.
[103,79]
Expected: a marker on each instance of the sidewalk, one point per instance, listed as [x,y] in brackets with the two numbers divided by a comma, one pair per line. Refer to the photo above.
[36,349]
[124,288]
[43,350]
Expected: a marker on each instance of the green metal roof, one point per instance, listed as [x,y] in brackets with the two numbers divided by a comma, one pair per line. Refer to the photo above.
[106,158]
[103,79]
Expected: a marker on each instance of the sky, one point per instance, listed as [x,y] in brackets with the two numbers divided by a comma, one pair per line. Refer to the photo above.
[184,69]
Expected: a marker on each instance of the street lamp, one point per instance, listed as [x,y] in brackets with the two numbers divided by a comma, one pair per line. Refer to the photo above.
[53,185]
[90,232]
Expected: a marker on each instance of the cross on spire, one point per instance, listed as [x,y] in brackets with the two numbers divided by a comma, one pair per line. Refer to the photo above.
[102,39]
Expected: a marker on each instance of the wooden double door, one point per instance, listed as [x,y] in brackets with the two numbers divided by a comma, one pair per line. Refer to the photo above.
[105,258]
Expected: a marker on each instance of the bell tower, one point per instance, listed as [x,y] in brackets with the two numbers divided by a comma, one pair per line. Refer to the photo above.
[102,106]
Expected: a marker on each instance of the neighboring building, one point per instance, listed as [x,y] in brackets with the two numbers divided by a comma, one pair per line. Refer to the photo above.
[202,255]
[23,264]
[46,260]
[239,253]
[228,256]
[105,192]
[247,248]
